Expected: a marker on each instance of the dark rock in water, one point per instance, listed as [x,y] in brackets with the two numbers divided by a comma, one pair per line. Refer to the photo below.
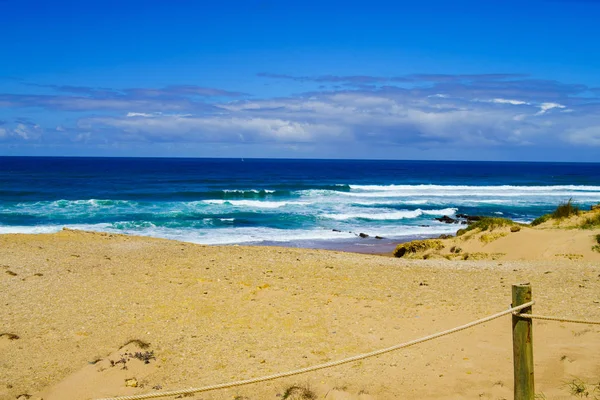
[444,236]
[464,222]
[378,237]
[363,235]
[446,219]
[469,218]
[336,230]
[425,226]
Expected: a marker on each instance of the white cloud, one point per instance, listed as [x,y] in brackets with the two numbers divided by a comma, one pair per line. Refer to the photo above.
[137,114]
[588,136]
[22,131]
[218,128]
[509,101]
[387,116]
[548,106]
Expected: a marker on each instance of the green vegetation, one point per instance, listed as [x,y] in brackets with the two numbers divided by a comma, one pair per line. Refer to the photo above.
[597,246]
[541,220]
[487,224]
[417,246]
[583,390]
[591,222]
[578,388]
[490,237]
[565,210]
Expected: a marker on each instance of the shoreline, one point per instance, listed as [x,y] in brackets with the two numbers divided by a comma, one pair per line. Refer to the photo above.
[368,245]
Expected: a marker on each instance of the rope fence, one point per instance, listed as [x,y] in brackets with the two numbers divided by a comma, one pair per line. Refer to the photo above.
[522,349]
[546,318]
[325,365]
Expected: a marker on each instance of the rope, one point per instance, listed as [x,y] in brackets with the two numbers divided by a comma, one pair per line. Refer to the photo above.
[325,365]
[576,321]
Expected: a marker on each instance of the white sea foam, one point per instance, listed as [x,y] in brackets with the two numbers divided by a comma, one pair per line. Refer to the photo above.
[56,228]
[255,203]
[376,214]
[463,190]
[29,229]
[255,191]
[232,235]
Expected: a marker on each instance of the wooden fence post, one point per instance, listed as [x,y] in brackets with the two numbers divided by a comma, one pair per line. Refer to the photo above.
[522,345]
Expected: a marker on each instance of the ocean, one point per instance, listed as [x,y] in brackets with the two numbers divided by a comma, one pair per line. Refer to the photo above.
[302,203]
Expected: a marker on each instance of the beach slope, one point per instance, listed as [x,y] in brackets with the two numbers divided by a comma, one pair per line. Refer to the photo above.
[89,315]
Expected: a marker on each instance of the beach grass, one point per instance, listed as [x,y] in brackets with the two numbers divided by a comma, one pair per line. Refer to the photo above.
[417,246]
[541,219]
[487,224]
[565,210]
[591,222]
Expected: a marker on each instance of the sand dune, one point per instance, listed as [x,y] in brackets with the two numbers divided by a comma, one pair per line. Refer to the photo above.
[554,240]
[216,314]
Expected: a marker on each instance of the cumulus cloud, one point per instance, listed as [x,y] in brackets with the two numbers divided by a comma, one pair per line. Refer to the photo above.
[22,131]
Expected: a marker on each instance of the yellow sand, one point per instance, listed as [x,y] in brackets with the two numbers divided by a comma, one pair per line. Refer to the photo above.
[215,314]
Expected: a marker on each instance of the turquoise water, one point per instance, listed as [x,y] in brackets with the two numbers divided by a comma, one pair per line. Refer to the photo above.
[311,203]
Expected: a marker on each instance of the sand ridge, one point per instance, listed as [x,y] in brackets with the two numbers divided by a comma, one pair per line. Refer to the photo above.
[215,314]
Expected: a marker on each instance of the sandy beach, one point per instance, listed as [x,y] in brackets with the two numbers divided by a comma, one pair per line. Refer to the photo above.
[215,314]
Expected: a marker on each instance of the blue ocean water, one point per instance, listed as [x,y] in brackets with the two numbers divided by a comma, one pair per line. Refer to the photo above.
[312,203]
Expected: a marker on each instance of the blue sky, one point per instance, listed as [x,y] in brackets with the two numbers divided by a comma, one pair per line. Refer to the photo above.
[475,80]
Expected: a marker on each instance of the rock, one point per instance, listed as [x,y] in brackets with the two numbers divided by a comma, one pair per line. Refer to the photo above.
[446,219]
[515,228]
[131,382]
[469,218]
[336,230]
[378,237]
[455,250]
[363,235]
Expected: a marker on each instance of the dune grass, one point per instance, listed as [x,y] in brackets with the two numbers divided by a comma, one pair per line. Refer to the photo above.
[487,224]
[541,219]
[563,210]
[591,222]
[597,246]
[417,246]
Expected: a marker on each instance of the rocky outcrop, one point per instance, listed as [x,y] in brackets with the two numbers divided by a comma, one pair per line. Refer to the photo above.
[460,219]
